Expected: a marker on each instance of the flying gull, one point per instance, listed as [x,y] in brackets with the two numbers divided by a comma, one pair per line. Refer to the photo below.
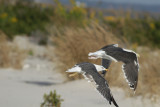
[89,71]
[128,57]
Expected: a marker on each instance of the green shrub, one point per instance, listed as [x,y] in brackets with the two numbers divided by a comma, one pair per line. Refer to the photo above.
[144,31]
[73,16]
[23,18]
[52,100]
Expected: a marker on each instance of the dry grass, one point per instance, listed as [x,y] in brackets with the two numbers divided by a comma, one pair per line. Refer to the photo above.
[149,76]
[73,45]
[4,50]
[10,56]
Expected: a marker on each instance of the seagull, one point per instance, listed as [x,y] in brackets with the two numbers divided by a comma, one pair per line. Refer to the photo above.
[128,57]
[90,72]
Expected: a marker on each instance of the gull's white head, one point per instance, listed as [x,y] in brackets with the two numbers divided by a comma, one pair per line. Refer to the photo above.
[99,67]
[97,54]
[76,68]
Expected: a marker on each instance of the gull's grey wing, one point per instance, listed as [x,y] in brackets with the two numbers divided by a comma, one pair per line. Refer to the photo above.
[131,74]
[128,57]
[103,88]
[90,73]
[121,54]
[105,63]
[131,65]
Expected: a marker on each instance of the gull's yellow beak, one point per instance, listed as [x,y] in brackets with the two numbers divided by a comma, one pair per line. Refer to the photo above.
[73,74]
[106,69]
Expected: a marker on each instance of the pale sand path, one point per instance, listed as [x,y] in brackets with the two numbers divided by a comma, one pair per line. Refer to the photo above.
[26,88]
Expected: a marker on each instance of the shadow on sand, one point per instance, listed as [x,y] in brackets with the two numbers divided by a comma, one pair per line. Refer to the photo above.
[40,83]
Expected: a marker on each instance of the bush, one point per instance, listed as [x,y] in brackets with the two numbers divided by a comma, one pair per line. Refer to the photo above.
[143,31]
[23,18]
[52,100]
[73,16]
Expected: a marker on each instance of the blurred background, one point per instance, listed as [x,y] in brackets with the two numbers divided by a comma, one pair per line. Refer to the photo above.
[41,39]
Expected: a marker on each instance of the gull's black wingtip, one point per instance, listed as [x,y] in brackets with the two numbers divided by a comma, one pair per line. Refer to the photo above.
[114,102]
[134,86]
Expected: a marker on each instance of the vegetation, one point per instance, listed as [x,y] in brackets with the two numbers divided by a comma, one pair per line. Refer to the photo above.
[25,17]
[73,16]
[22,18]
[143,31]
[10,56]
[52,100]
[74,40]
[140,29]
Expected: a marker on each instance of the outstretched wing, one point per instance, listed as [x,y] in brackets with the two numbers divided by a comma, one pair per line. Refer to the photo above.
[105,92]
[101,86]
[128,57]
[131,65]
[90,73]
[131,74]
[105,63]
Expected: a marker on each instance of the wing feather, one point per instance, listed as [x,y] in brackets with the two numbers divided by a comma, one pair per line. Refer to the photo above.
[106,93]
[130,60]
[131,74]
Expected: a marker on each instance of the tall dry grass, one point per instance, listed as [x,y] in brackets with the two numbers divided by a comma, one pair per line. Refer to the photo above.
[149,76]
[4,50]
[72,46]
[10,56]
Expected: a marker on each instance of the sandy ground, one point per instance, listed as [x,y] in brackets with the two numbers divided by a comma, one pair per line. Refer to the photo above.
[26,87]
